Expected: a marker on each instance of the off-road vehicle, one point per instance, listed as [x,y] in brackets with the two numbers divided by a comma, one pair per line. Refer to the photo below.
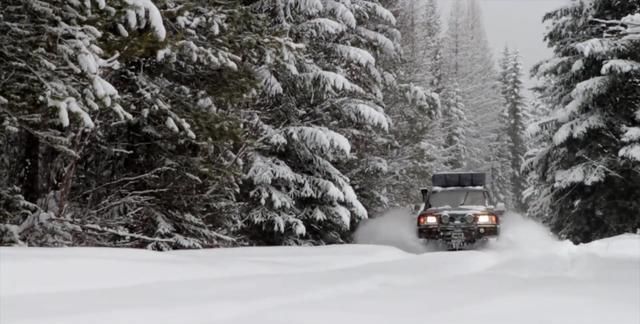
[458,211]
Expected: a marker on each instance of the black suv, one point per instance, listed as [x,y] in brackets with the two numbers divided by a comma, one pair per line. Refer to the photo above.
[458,211]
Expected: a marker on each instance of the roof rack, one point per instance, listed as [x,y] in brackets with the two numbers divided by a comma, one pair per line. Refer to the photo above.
[459,179]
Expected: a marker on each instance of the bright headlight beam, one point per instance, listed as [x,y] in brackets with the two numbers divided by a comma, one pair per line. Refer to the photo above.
[484,219]
[432,220]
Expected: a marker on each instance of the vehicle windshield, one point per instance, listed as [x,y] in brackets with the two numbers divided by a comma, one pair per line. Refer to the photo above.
[455,198]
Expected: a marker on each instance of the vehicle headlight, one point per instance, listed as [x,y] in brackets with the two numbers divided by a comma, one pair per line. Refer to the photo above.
[428,220]
[445,218]
[483,219]
[486,219]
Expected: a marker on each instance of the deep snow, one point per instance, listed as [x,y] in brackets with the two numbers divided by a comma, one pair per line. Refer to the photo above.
[526,277]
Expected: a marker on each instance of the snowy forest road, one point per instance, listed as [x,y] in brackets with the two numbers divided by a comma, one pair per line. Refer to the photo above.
[527,277]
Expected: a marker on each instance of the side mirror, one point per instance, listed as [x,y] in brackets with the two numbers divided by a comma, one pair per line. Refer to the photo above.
[500,209]
[425,194]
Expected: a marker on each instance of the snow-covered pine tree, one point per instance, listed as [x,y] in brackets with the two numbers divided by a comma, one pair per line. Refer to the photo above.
[369,166]
[455,126]
[14,208]
[503,76]
[431,45]
[420,26]
[516,130]
[411,152]
[173,172]
[410,25]
[588,168]
[538,135]
[432,77]
[469,64]
[513,129]
[500,172]
[327,78]
[52,98]
[161,171]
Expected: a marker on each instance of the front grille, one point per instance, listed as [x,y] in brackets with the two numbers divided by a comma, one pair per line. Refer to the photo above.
[457,217]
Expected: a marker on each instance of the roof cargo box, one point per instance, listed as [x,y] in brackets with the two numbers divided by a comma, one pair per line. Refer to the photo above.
[465,179]
[458,179]
[479,179]
[452,179]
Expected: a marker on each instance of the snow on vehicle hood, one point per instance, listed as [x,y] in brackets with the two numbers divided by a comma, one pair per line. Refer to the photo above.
[460,209]
[438,189]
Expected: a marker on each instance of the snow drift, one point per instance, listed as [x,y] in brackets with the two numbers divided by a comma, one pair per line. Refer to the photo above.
[526,277]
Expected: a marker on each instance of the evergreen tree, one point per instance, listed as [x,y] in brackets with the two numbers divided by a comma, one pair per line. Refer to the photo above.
[161,170]
[409,24]
[538,133]
[513,132]
[500,171]
[455,125]
[264,152]
[191,123]
[587,169]
[330,77]
[421,44]
[410,150]
[174,175]
[516,129]
[53,101]
[503,77]
[432,45]
[469,66]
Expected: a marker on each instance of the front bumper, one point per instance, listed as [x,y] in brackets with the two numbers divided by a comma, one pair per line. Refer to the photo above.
[465,233]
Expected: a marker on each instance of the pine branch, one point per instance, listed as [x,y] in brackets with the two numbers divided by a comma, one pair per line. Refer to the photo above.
[130,179]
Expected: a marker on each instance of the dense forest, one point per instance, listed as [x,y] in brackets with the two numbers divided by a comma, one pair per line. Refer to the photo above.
[172,124]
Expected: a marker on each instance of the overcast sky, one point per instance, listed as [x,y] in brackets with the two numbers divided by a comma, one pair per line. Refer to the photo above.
[517,23]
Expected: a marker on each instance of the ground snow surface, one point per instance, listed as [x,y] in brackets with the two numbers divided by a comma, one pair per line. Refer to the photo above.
[525,277]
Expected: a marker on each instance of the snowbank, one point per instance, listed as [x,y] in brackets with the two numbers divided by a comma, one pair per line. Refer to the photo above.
[544,281]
